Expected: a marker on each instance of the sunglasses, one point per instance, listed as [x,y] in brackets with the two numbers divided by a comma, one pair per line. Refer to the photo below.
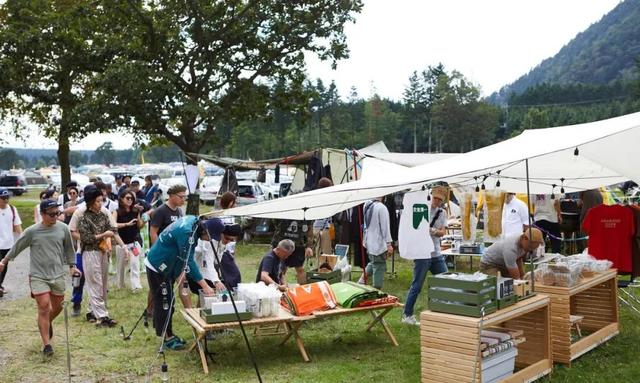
[73,193]
[53,214]
[128,198]
[181,196]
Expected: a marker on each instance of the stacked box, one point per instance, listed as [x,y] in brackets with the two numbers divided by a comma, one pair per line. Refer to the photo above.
[462,297]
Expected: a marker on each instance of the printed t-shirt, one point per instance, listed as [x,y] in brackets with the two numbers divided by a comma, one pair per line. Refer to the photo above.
[514,215]
[414,241]
[165,216]
[610,230]
[273,265]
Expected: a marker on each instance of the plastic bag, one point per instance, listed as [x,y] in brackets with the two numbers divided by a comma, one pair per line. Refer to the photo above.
[494,201]
[468,219]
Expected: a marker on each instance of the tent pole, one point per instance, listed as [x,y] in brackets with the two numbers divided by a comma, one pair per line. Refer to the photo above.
[526,164]
[362,249]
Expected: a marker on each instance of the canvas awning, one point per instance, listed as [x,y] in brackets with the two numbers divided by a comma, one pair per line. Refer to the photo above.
[605,155]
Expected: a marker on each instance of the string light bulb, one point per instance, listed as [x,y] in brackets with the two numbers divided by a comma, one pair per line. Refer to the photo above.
[576,151]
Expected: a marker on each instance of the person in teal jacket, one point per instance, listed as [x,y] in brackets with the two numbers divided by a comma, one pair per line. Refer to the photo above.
[169,259]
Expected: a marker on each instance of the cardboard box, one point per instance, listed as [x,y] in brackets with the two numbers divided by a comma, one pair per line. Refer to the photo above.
[522,287]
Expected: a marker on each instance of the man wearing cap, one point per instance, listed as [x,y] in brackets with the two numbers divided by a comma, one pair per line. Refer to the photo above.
[51,248]
[10,223]
[169,259]
[433,261]
[508,254]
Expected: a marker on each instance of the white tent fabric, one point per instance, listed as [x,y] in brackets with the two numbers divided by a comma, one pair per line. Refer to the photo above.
[410,159]
[606,156]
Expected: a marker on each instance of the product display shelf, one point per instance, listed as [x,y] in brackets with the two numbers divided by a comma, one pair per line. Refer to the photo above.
[450,343]
[596,300]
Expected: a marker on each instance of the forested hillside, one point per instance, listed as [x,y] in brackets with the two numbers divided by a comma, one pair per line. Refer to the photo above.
[605,52]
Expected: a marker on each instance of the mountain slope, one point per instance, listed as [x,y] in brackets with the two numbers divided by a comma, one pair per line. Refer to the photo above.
[604,52]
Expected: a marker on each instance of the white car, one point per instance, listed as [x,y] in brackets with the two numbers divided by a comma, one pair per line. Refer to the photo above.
[249,192]
[209,189]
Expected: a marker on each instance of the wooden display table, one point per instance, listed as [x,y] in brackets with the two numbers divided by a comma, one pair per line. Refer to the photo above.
[290,322]
[200,328]
[596,300]
[450,343]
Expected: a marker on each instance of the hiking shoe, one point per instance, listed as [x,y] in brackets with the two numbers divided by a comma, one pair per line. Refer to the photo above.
[410,320]
[106,322]
[76,310]
[174,343]
[91,318]
[47,350]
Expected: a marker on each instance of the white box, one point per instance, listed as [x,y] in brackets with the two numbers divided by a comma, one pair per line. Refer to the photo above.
[498,366]
[227,307]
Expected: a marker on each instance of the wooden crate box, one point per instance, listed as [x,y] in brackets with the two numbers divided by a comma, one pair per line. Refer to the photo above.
[450,343]
[596,300]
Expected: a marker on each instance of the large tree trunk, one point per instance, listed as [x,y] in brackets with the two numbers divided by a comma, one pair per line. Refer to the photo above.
[63,153]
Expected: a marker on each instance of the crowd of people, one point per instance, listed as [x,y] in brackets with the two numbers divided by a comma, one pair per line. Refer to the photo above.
[82,230]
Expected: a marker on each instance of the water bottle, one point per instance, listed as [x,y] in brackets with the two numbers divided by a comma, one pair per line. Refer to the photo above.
[75,281]
[185,289]
[165,373]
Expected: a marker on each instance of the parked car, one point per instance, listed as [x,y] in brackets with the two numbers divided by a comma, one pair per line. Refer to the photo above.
[209,189]
[249,192]
[16,184]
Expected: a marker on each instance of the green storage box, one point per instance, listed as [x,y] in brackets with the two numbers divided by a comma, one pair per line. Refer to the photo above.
[221,318]
[441,280]
[331,277]
[476,298]
[462,309]
[507,301]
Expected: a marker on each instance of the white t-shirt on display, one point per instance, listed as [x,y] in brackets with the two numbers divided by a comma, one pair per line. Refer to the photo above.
[7,222]
[414,241]
[545,209]
[514,215]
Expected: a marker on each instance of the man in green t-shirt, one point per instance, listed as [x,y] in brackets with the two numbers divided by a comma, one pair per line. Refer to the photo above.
[50,247]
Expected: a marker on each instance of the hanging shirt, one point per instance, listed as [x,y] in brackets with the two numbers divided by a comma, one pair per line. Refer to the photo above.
[414,240]
[514,215]
[377,233]
[610,230]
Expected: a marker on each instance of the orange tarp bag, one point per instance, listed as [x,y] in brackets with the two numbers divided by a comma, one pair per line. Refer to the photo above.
[306,299]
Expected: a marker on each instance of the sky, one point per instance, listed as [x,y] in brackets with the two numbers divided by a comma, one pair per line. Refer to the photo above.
[491,42]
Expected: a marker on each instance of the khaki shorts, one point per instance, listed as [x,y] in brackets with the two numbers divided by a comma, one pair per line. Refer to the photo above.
[493,270]
[41,286]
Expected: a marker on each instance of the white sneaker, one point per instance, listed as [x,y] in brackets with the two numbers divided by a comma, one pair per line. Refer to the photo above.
[411,320]
[361,280]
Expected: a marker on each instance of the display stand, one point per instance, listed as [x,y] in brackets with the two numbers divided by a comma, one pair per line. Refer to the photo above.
[290,322]
[450,343]
[596,300]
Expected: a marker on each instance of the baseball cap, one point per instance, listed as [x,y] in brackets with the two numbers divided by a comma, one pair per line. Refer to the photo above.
[534,236]
[233,230]
[214,227]
[47,203]
[4,192]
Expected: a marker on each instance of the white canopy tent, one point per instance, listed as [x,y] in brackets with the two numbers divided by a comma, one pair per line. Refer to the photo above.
[605,151]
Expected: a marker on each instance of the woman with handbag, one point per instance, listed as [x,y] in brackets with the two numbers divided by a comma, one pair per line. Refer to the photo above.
[96,230]
[129,223]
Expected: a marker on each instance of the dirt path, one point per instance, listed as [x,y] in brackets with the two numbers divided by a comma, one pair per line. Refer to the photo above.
[16,282]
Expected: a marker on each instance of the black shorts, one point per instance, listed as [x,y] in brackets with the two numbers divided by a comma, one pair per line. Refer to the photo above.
[296,259]
[195,287]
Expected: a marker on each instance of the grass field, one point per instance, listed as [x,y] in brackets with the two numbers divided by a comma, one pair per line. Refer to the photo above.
[339,348]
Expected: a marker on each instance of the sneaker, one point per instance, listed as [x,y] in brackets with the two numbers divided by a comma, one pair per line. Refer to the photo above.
[410,320]
[47,350]
[76,310]
[361,280]
[91,318]
[174,343]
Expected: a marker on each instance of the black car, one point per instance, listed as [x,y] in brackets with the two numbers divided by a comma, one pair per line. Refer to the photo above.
[17,185]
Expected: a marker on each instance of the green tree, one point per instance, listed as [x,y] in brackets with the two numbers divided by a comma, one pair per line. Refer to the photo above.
[535,118]
[190,66]
[9,158]
[49,51]
[416,105]
[104,154]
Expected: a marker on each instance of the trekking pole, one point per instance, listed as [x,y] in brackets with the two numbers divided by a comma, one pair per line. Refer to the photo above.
[66,334]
